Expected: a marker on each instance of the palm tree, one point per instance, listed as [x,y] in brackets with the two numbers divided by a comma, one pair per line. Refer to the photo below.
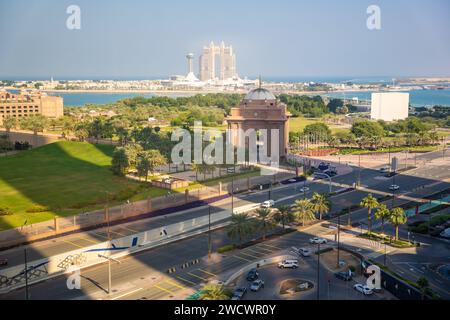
[304,211]
[370,203]
[283,214]
[382,213]
[265,220]
[423,285]
[320,204]
[240,226]
[214,292]
[397,217]
[196,168]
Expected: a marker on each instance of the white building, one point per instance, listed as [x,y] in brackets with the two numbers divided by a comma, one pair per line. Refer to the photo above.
[389,106]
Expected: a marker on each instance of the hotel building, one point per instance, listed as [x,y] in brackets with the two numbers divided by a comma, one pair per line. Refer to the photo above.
[26,104]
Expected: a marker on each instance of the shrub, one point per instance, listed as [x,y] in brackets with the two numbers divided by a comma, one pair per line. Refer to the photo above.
[5,211]
[37,209]
[226,248]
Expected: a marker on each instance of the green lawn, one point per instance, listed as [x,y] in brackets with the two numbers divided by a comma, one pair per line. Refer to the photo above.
[299,123]
[67,177]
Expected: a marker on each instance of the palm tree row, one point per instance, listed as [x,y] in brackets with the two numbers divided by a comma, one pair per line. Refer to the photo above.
[266,219]
[395,216]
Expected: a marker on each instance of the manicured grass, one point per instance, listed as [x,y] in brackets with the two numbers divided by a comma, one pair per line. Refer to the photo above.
[385,150]
[67,177]
[299,123]
[400,243]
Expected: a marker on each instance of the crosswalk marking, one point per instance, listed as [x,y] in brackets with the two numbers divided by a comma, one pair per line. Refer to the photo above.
[242,258]
[185,280]
[194,275]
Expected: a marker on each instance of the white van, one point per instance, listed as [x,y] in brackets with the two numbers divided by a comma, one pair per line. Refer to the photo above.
[293,264]
[268,204]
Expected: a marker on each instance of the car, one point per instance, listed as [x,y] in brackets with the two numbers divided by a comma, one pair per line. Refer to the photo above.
[319,176]
[268,204]
[346,276]
[317,240]
[304,189]
[445,233]
[252,275]
[385,169]
[3,262]
[239,293]
[304,252]
[394,187]
[256,285]
[363,289]
[292,264]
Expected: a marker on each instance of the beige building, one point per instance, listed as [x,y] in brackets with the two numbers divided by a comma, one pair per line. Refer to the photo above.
[260,109]
[26,104]
[208,62]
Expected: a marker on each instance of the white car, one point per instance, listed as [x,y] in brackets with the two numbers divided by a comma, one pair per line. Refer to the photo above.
[394,187]
[385,169]
[256,285]
[304,252]
[363,289]
[293,264]
[304,189]
[268,204]
[317,240]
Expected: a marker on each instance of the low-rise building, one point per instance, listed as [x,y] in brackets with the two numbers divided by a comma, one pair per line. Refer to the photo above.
[26,104]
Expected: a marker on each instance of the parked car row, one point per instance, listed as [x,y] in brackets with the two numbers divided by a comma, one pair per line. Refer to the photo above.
[256,285]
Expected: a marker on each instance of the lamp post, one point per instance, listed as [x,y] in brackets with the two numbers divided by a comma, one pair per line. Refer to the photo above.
[338,240]
[209,232]
[26,274]
[232,195]
[318,271]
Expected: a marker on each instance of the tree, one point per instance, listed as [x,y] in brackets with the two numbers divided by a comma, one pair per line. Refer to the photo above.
[120,162]
[81,131]
[367,129]
[320,204]
[240,227]
[143,167]
[423,285]
[283,214]
[370,203]
[9,123]
[36,123]
[397,217]
[153,159]
[264,220]
[318,129]
[303,209]
[382,213]
[214,292]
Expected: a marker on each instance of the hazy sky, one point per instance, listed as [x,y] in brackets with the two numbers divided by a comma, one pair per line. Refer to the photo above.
[149,38]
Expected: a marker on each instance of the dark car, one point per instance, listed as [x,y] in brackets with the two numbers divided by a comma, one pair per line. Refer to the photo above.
[3,262]
[252,275]
[239,293]
[343,276]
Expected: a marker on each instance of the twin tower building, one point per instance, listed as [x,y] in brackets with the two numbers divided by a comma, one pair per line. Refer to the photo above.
[227,65]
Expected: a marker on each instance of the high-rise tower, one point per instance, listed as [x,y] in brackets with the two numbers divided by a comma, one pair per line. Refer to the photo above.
[208,62]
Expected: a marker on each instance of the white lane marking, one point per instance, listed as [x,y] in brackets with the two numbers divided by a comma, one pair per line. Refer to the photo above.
[126,294]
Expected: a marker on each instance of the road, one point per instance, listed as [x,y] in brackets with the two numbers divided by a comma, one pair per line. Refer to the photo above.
[143,275]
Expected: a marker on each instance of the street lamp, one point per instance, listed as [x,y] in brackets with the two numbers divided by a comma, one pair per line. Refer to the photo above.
[26,274]
[232,194]
[338,239]
[109,269]
[209,232]
[318,271]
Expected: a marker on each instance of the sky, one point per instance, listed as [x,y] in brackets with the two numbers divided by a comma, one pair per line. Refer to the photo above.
[136,39]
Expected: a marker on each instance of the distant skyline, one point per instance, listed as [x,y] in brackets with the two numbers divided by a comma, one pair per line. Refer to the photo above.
[139,39]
